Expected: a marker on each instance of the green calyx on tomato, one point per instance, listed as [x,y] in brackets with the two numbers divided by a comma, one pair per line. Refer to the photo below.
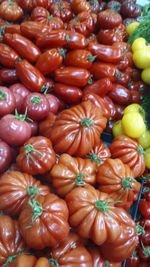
[44,88]
[32,190]
[22,117]
[11,3]
[9,260]
[36,100]
[36,208]
[87,122]
[145,178]
[103,205]
[19,59]
[90,80]
[29,148]
[50,17]
[53,262]
[61,8]
[68,39]
[91,58]
[140,149]
[126,183]
[62,52]
[2,30]
[117,74]
[146,251]
[140,230]
[80,180]
[2,95]
[95,158]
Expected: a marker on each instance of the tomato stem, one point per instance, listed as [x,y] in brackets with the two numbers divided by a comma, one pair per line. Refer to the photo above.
[53,262]
[145,250]
[68,39]
[29,148]
[80,179]
[61,8]
[36,208]
[44,88]
[2,30]
[36,100]
[62,52]
[140,230]
[50,17]
[21,117]
[90,80]
[102,205]
[126,183]
[91,58]
[87,122]
[140,149]
[32,190]
[2,95]
[10,260]
[95,158]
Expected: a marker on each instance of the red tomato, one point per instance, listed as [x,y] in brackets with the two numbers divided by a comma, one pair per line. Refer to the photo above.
[37,106]
[72,76]
[30,76]
[34,127]
[122,78]
[25,48]
[69,94]
[111,36]
[11,11]
[5,156]
[136,97]
[8,76]
[144,208]
[79,58]
[54,103]
[145,223]
[32,29]
[46,125]
[62,9]
[119,112]
[50,60]
[144,252]
[133,261]
[111,106]
[103,70]
[20,92]
[14,28]
[145,238]
[120,94]
[7,101]
[101,87]
[14,130]
[80,6]
[126,61]
[8,56]
[109,19]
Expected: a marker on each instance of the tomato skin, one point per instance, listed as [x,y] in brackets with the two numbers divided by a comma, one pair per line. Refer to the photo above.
[23,46]
[10,12]
[144,208]
[30,76]
[31,162]
[8,76]
[46,125]
[10,234]
[50,60]
[145,238]
[80,6]
[119,112]
[8,56]
[111,36]
[139,86]
[142,255]
[37,106]
[136,97]
[55,212]
[14,28]
[54,103]
[145,223]
[123,78]
[7,101]
[14,131]
[101,87]
[34,128]
[61,38]
[20,92]
[120,94]
[61,10]
[32,29]
[103,70]
[133,124]
[109,19]
[102,153]
[98,102]
[72,76]
[129,152]
[133,261]
[28,5]
[111,106]
[79,58]
[126,61]
[108,54]
[69,94]
[5,156]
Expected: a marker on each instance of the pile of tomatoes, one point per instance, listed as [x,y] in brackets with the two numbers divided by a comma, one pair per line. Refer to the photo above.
[66,75]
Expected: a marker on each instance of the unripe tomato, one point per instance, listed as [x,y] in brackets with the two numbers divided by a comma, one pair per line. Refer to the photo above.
[117,129]
[138,44]
[144,139]
[132,27]
[146,75]
[133,124]
[134,108]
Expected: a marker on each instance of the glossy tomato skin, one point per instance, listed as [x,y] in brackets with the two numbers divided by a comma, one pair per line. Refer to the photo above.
[7,101]
[142,253]
[69,94]
[111,36]
[54,212]
[70,173]
[101,151]
[5,156]
[109,54]
[46,125]
[14,131]
[98,102]
[120,94]
[54,103]
[110,105]
[109,19]
[103,70]
[37,106]
[30,76]
[23,259]
[130,152]
[50,60]
[28,5]
[14,28]
[10,12]
[32,29]
[72,76]
[8,76]
[11,240]
[36,156]
[25,48]
[119,111]
[79,118]
[145,222]
[145,238]
[61,10]
[123,78]
[34,128]
[8,56]
[144,208]
[79,58]
[62,38]
[133,261]
[101,87]
[19,187]
[79,6]
[20,92]
[126,61]
[136,97]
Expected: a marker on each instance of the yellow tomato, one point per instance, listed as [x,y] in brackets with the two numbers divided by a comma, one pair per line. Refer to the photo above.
[133,124]
[134,108]
[147,157]
[146,76]
[131,27]
[141,58]
[117,129]
[144,139]
[138,44]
